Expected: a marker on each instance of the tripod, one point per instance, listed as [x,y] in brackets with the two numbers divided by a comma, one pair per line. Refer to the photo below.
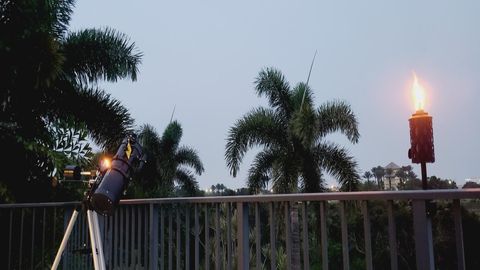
[95,240]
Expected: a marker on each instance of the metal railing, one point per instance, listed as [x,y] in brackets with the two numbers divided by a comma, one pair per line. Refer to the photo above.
[321,231]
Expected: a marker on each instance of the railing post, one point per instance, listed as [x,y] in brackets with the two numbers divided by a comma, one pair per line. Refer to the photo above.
[423,243]
[153,237]
[242,236]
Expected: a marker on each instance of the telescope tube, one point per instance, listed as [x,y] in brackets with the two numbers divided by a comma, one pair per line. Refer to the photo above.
[127,159]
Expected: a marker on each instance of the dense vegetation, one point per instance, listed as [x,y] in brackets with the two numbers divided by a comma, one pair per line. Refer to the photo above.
[49,97]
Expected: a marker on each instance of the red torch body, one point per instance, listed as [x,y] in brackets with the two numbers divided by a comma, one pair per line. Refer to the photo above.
[421,138]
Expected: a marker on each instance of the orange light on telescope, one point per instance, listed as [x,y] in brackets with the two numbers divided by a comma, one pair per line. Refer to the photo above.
[418,94]
[105,164]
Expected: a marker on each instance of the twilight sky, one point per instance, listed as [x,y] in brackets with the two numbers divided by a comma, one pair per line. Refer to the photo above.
[203,57]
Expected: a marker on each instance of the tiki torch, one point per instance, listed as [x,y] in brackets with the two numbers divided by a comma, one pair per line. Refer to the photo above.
[421,133]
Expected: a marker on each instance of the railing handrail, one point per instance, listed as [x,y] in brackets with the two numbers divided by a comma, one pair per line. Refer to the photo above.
[441,194]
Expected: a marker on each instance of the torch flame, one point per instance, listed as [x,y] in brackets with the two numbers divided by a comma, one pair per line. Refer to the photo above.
[418,94]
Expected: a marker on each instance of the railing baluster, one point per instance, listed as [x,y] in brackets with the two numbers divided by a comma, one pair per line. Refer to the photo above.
[110,242]
[288,234]
[122,236]
[217,237]
[367,235]
[258,240]
[197,237]
[127,236]
[273,248]
[132,239]
[306,251]
[44,219]
[229,236]
[187,237]
[178,237]
[170,238]
[10,239]
[139,236]
[345,248]
[323,235]
[162,237]
[116,250]
[392,236]
[243,229]
[457,218]
[146,242]
[207,239]
[153,237]
[21,239]
[54,226]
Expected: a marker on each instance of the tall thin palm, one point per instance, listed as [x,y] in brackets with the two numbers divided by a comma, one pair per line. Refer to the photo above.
[294,150]
[168,162]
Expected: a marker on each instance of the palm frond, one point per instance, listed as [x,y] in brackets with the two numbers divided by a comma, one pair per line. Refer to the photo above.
[336,161]
[171,137]
[258,174]
[60,15]
[186,181]
[285,174]
[188,156]
[148,138]
[302,96]
[42,15]
[107,120]
[337,116]
[259,127]
[94,54]
[271,83]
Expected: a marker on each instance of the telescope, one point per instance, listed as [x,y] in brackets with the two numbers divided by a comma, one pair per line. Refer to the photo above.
[103,195]
[111,183]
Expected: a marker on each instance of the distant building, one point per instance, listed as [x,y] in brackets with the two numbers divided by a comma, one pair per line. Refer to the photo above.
[392,181]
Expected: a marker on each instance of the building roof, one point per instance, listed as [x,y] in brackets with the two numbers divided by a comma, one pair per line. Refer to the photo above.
[392,166]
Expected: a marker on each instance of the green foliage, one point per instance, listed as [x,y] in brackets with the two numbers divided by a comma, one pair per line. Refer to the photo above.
[48,93]
[168,163]
[291,134]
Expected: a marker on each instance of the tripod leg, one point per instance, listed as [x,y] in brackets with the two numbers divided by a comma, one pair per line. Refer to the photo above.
[95,241]
[98,236]
[68,231]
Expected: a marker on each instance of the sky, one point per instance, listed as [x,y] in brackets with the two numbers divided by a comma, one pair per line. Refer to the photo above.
[202,57]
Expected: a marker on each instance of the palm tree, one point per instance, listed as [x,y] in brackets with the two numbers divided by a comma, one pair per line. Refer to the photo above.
[367,175]
[292,134]
[379,173]
[50,76]
[168,162]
